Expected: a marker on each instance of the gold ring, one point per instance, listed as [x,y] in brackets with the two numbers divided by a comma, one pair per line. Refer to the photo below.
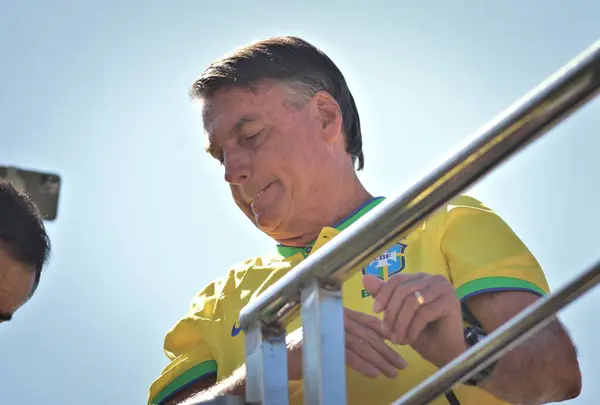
[419,298]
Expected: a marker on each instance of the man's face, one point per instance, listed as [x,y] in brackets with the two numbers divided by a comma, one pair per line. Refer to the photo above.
[16,281]
[275,154]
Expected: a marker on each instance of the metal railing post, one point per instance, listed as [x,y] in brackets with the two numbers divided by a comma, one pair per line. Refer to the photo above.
[266,365]
[323,347]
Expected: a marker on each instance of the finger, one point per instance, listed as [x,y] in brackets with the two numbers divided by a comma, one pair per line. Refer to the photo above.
[376,341]
[430,312]
[410,311]
[386,291]
[368,321]
[357,363]
[372,284]
[363,326]
[370,356]
[383,295]
[425,316]
[397,297]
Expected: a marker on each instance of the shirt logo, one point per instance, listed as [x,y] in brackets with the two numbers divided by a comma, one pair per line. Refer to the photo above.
[235,331]
[387,264]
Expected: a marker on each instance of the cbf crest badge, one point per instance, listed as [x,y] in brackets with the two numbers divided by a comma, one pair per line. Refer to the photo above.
[387,264]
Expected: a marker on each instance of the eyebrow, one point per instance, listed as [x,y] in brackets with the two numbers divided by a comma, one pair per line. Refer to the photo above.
[210,148]
[5,317]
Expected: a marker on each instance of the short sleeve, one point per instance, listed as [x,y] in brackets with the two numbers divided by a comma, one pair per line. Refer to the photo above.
[186,346]
[484,254]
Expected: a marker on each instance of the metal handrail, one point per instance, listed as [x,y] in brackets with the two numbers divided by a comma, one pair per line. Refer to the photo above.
[528,119]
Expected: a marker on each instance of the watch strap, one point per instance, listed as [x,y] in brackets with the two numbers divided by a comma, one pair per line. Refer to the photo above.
[473,335]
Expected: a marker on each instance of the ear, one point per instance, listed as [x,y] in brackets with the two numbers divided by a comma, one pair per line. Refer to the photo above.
[329,115]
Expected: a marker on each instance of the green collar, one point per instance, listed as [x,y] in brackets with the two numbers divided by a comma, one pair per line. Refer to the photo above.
[287,251]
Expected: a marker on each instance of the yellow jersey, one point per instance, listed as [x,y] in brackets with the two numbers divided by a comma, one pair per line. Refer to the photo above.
[464,241]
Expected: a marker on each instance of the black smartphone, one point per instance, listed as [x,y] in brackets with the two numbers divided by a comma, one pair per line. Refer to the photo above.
[43,188]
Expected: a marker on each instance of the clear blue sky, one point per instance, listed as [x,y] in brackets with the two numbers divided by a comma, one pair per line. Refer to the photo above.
[97,91]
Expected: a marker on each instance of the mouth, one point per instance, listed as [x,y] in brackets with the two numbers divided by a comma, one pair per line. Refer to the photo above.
[260,193]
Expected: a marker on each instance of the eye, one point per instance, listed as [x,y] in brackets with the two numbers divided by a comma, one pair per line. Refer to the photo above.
[253,135]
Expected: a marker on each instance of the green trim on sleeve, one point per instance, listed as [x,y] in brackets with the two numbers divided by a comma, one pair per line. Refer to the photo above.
[496,284]
[190,375]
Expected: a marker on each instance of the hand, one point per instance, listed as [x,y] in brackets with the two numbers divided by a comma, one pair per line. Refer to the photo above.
[432,327]
[366,350]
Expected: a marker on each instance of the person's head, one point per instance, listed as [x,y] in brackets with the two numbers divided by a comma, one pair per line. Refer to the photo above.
[281,119]
[24,249]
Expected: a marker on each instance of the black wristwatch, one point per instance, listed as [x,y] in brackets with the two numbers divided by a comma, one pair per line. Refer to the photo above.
[474,335]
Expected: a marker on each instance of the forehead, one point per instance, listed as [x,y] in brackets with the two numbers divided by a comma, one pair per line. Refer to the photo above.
[235,106]
[16,281]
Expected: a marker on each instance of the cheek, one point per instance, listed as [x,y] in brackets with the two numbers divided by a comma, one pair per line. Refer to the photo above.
[16,288]
[297,150]
[291,165]
[290,155]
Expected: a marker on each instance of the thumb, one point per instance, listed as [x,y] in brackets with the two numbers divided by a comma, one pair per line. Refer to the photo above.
[372,284]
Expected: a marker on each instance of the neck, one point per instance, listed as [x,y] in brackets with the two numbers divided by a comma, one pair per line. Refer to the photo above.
[330,211]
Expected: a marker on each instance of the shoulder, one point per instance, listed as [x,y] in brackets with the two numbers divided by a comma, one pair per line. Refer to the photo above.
[463,205]
[463,209]
[247,273]
[214,301]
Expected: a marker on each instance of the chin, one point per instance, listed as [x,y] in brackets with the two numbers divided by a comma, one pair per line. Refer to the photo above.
[262,222]
[269,224]
[268,220]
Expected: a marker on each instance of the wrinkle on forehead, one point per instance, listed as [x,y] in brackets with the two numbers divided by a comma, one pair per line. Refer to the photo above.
[215,109]
[210,146]
[209,117]
[215,121]
[212,107]
[228,110]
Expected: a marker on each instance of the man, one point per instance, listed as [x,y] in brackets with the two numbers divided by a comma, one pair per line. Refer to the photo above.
[281,120]
[24,249]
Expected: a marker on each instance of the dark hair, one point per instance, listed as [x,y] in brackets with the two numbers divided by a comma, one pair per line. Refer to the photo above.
[294,62]
[22,231]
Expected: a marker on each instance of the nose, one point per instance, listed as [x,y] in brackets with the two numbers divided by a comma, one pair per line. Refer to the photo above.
[237,169]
